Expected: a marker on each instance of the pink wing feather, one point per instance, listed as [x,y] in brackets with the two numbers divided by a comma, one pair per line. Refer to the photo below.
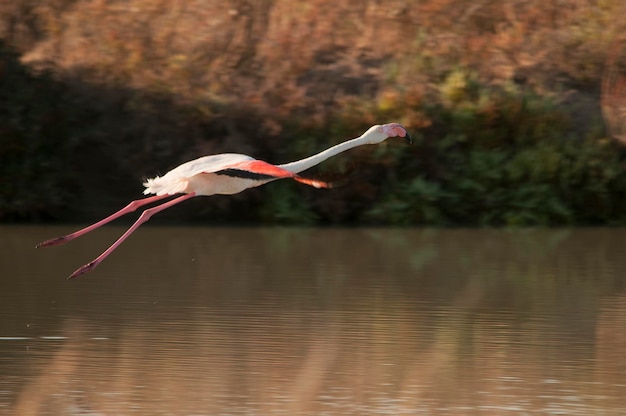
[264,168]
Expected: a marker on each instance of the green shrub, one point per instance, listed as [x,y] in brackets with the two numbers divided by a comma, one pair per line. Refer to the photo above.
[504,157]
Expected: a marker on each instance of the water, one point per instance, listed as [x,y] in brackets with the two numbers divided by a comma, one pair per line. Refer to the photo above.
[280,321]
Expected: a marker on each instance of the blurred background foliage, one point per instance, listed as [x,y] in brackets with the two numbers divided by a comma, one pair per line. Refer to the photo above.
[518,107]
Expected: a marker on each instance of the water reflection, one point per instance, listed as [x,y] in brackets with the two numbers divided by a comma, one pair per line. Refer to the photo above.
[308,321]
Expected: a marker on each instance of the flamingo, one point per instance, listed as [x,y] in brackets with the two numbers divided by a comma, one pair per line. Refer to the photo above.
[224,174]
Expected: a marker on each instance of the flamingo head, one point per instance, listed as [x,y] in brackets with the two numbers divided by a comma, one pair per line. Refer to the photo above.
[380,133]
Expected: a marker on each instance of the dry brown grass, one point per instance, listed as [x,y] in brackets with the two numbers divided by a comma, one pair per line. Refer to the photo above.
[285,58]
[613,99]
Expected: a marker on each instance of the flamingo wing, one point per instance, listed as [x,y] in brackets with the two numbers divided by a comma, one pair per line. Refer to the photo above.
[207,164]
[230,164]
[260,170]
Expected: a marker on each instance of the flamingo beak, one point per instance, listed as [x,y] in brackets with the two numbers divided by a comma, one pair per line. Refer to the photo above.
[408,137]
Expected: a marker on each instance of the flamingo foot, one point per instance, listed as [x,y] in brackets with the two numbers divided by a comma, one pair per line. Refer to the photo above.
[54,241]
[84,269]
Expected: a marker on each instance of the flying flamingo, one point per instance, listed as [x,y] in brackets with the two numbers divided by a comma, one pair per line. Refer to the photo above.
[225,174]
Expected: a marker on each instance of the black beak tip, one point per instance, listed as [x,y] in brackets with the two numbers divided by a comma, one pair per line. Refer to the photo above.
[408,138]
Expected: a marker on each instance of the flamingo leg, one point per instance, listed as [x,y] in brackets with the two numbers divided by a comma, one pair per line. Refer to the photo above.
[131,207]
[145,216]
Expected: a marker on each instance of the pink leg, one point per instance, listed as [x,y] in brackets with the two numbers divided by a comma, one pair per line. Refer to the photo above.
[145,216]
[131,207]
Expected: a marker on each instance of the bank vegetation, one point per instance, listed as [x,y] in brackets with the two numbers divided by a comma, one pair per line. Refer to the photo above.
[518,107]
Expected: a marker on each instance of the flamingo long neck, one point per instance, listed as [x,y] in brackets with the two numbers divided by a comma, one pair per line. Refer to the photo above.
[304,164]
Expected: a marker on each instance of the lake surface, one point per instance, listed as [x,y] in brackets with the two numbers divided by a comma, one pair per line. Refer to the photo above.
[290,321]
